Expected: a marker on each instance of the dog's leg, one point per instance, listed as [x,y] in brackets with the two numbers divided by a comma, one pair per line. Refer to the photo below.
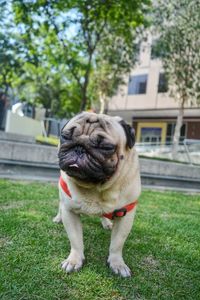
[106,223]
[120,231]
[73,227]
[58,217]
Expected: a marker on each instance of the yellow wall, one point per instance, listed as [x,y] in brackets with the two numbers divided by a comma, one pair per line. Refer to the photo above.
[161,125]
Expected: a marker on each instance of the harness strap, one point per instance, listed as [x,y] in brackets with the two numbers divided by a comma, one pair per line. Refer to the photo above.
[116,213]
[121,212]
[64,186]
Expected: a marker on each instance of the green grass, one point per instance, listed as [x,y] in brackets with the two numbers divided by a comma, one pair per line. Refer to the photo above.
[162,250]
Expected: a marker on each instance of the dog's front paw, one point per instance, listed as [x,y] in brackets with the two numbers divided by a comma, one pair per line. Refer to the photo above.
[107,224]
[57,218]
[74,262]
[118,266]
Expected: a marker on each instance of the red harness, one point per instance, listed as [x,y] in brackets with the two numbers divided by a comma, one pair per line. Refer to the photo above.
[116,213]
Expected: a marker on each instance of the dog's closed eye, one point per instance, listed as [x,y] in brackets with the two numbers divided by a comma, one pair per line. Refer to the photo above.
[67,135]
[108,147]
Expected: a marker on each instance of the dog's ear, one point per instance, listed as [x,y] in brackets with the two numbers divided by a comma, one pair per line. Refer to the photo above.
[63,126]
[130,134]
[62,134]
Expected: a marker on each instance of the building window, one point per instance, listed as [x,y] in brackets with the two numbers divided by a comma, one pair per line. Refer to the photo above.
[170,132]
[162,83]
[157,49]
[137,84]
[151,135]
[137,51]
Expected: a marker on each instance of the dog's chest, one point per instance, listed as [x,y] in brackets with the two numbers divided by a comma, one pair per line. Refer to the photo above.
[94,203]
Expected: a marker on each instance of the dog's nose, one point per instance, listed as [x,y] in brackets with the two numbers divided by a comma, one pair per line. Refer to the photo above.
[79,150]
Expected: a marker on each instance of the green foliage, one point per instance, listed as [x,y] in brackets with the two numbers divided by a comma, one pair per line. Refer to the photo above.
[177,25]
[73,34]
[114,60]
[10,49]
[162,249]
[178,28]
[49,87]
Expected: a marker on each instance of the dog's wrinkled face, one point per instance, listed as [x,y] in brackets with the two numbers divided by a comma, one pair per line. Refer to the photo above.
[89,147]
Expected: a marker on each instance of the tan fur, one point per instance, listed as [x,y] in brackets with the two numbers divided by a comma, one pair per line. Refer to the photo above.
[96,199]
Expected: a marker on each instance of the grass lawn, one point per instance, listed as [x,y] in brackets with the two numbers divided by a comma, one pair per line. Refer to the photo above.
[163,249]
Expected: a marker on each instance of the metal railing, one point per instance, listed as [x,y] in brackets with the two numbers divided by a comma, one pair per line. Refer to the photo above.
[192,148]
[188,151]
[52,127]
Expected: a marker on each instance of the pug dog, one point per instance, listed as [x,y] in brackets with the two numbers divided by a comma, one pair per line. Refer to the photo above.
[99,176]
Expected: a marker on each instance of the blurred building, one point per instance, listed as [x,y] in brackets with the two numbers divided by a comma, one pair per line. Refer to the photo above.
[145,101]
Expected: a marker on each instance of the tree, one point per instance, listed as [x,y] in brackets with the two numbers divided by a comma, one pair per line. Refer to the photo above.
[10,65]
[178,27]
[51,88]
[26,74]
[72,33]
[112,65]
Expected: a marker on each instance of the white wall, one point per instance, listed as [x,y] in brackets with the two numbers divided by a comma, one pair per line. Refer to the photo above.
[22,125]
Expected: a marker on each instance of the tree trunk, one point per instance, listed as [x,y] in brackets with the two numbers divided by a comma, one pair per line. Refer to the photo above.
[83,103]
[102,104]
[177,132]
[86,83]
[84,93]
